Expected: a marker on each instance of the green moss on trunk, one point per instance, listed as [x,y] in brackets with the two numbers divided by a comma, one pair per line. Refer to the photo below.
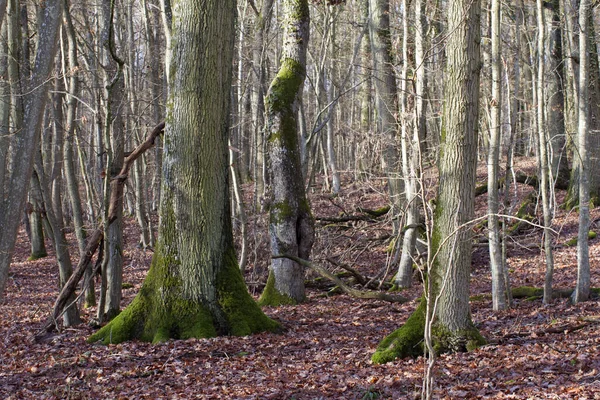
[405,341]
[273,297]
[158,313]
[408,340]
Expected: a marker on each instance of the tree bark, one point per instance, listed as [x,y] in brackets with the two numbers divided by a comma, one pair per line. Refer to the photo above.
[26,143]
[582,287]
[194,287]
[499,291]
[386,100]
[446,303]
[543,156]
[291,223]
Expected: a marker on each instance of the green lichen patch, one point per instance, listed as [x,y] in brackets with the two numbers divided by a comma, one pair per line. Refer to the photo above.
[272,297]
[446,341]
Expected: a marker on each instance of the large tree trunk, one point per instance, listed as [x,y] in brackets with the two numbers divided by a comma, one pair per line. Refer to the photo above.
[446,303]
[291,223]
[194,287]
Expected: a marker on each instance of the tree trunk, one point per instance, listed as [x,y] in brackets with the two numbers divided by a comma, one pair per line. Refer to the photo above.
[499,290]
[259,60]
[446,304]
[543,156]
[35,212]
[582,288]
[555,98]
[26,143]
[291,223]
[194,287]
[410,157]
[386,100]
[115,140]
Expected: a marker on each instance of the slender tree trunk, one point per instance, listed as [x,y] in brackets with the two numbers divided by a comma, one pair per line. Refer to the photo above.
[291,224]
[543,157]
[410,149]
[386,100]
[35,213]
[582,288]
[499,291]
[194,288]
[445,309]
[259,61]
[26,143]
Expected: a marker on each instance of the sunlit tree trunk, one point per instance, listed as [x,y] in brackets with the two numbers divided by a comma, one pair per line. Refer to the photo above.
[194,287]
[446,304]
[582,288]
[499,290]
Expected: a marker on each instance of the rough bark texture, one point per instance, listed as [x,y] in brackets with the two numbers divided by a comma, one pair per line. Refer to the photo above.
[194,287]
[291,223]
[448,294]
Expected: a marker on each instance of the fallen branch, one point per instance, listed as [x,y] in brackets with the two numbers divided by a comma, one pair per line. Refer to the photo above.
[347,289]
[117,185]
[69,288]
[367,215]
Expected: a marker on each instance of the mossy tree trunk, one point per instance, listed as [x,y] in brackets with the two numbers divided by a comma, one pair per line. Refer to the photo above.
[291,223]
[194,287]
[448,285]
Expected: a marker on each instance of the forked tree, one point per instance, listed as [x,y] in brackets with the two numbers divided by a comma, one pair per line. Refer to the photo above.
[194,287]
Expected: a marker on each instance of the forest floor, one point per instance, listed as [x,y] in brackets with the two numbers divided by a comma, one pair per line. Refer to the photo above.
[534,351]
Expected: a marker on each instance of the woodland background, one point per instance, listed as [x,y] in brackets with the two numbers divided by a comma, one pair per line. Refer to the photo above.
[108,89]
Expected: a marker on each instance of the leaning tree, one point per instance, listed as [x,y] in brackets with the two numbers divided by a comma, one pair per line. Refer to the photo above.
[194,287]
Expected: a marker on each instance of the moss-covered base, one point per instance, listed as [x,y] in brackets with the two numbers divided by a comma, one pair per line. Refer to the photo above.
[272,297]
[158,313]
[407,341]
[37,255]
